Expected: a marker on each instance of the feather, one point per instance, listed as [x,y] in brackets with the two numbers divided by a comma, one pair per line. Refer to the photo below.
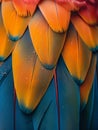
[57,17]
[87,113]
[31,88]
[6,96]
[6,45]
[86,87]
[16,28]
[48,46]
[76,56]
[87,33]
[22,121]
[94,122]
[89,14]
[45,115]
[69,98]
[71,5]
[25,7]
[8,117]
[5,68]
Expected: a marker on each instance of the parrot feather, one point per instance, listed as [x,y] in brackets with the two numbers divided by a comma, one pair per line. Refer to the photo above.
[57,17]
[76,56]
[89,14]
[47,46]
[6,45]
[89,34]
[86,87]
[15,25]
[6,95]
[25,7]
[36,79]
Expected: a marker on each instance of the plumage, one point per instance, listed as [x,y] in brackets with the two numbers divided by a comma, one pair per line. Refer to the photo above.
[76,55]
[57,17]
[15,25]
[48,46]
[89,34]
[51,81]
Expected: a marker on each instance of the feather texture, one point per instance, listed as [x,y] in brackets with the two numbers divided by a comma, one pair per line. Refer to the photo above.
[36,78]
[89,14]
[25,7]
[87,33]
[76,56]
[6,98]
[69,98]
[19,23]
[52,83]
[86,87]
[57,17]
[6,45]
[48,46]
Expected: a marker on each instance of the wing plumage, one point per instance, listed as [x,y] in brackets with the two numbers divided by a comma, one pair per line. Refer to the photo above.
[54,44]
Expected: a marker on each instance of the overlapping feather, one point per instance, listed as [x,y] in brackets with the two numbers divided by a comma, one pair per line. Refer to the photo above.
[36,56]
